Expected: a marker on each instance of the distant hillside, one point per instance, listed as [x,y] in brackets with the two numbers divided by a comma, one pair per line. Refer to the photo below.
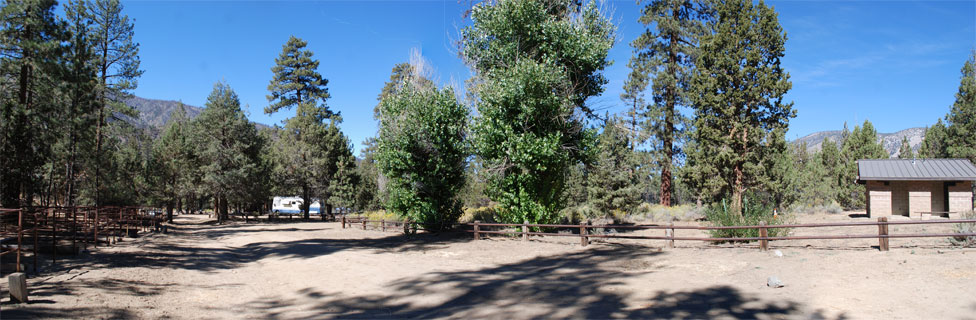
[157,113]
[890,141]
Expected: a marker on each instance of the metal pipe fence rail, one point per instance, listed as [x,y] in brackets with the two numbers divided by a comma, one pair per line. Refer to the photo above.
[525,230]
[51,229]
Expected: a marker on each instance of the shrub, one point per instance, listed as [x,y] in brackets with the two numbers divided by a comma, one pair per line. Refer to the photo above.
[831,207]
[659,213]
[719,215]
[965,241]
[484,214]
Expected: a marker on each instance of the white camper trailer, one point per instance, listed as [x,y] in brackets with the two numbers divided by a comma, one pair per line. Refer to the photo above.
[293,205]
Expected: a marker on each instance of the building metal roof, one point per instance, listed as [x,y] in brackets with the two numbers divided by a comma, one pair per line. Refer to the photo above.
[916,169]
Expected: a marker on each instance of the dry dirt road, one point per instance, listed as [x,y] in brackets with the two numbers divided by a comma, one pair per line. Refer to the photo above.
[319,270]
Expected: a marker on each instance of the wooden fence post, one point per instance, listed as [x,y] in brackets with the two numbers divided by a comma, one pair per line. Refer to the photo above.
[364,224]
[763,243]
[383,225]
[525,230]
[584,240]
[883,233]
[476,229]
[96,227]
[670,234]
[343,221]
[406,226]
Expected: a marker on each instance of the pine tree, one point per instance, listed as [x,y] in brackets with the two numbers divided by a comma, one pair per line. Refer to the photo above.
[30,51]
[861,144]
[175,154]
[739,87]
[781,179]
[228,146]
[905,151]
[421,148]
[297,84]
[614,184]
[368,194]
[117,62]
[536,63]
[665,56]
[961,132]
[934,142]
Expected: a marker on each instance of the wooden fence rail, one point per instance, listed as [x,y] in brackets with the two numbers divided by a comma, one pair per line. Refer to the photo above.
[51,228]
[669,236]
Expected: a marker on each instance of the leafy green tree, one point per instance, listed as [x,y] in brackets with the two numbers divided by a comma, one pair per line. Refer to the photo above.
[905,151]
[30,49]
[934,143]
[535,63]
[738,86]
[117,62]
[401,74]
[665,56]
[861,144]
[296,84]
[961,132]
[421,148]
[228,146]
[614,183]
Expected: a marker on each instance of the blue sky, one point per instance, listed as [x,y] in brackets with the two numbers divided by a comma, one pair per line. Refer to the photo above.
[895,63]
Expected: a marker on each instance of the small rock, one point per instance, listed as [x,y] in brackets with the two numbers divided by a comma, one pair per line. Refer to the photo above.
[774,282]
[778,253]
[940,251]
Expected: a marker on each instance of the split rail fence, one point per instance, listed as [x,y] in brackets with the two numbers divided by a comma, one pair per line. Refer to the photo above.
[584,231]
[46,229]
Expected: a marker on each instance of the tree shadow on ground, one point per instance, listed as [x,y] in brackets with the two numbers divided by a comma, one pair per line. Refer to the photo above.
[586,284]
[179,251]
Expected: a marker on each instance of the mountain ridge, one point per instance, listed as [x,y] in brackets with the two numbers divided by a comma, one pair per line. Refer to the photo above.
[890,141]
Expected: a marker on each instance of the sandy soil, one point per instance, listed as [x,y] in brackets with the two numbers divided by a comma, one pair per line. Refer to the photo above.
[319,270]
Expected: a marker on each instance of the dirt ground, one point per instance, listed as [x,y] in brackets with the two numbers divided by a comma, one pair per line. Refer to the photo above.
[312,270]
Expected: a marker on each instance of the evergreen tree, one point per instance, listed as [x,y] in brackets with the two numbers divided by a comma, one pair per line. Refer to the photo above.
[368,194]
[934,143]
[961,132]
[536,63]
[905,151]
[79,120]
[421,149]
[117,62]
[665,56]
[781,177]
[861,144]
[739,87]
[296,84]
[228,146]
[614,183]
[174,153]
[30,50]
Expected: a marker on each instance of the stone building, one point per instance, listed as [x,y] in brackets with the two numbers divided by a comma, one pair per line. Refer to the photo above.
[911,187]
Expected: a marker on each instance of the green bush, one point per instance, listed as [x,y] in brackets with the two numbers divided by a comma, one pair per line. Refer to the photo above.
[965,241]
[719,214]
[487,214]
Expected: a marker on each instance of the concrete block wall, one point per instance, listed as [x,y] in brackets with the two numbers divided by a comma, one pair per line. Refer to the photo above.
[961,197]
[879,199]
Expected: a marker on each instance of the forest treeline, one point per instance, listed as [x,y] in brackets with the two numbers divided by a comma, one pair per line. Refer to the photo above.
[705,123]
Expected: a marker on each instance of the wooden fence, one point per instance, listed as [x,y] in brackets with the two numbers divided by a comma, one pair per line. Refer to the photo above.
[669,236]
[584,231]
[36,229]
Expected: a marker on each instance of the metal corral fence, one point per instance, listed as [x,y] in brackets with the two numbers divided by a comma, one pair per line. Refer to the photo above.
[56,229]
[525,230]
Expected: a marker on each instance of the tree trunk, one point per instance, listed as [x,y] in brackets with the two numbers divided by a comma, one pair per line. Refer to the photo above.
[306,202]
[223,209]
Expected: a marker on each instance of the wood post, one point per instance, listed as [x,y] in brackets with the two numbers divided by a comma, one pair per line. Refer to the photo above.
[20,239]
[669,232]
[383,223]
[763,243]
[364,224]
[406,226]
[584,240]
[525,230]
[476,229]
[96,228]
[343,221]
[883,233]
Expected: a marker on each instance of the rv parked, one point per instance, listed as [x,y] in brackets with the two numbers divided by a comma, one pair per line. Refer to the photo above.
[293,205]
